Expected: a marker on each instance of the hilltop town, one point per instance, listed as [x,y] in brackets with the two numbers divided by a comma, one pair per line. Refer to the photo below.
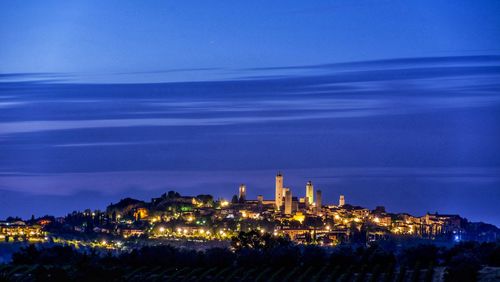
[202,218]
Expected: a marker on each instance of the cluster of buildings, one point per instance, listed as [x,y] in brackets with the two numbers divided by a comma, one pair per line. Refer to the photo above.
[285,201]
[19,230]
[303,219]
[342,222]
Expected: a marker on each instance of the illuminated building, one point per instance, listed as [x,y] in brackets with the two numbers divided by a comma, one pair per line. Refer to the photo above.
[318,201]
[382,220]
[260,199]
[242,193]
[141,213]
[285,189]
[131,232]
[19,230]
[288,202]
[309,193]
[341,201]
[279,191]
[295,233]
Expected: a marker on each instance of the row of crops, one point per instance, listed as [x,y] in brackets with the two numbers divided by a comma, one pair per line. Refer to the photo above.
[296,274]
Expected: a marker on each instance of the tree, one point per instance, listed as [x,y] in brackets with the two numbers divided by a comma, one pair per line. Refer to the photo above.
[313,255]
[206,199]
[219,257]
[463,267]
[424,254]
[255,240]
[173,194]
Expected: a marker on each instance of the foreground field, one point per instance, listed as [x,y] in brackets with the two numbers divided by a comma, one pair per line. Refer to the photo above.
[296,274]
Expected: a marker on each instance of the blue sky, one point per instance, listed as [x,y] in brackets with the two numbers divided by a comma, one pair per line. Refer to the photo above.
[102,37]
[388,102]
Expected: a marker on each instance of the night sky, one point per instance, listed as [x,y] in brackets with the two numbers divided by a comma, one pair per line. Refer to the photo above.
[393,103]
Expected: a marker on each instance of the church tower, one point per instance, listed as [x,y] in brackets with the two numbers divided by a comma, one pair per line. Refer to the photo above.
[279,191]
[242,196]
[309,193]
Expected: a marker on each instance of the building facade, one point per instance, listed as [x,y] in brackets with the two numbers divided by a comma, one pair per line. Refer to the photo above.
[279,190]
[288,202]
[309,193]
[341,201]
[319,199]
[242,195]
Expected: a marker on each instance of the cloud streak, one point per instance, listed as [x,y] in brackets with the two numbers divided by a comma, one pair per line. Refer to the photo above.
[156,180]
[298,110]
[372,88]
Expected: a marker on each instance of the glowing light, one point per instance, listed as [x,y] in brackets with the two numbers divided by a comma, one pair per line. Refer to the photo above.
[299,217]
[162,229]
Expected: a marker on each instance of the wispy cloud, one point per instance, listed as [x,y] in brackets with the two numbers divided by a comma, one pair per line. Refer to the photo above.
[117,181]
[33,76]
[372,88]
[4,105]
[270,111]
[397,62]
[108,144]
[171,71]
[47,125]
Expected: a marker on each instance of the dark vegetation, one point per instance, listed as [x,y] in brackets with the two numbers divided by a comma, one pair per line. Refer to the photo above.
[254,257]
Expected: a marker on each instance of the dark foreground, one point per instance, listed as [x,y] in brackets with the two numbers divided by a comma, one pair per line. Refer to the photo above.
[255,258]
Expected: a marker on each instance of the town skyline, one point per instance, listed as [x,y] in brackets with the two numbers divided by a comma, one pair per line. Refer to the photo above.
[212,220]
[268,191]
[386,103]
[286,201]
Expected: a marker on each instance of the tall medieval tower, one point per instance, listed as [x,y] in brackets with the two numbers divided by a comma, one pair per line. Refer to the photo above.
[279,191]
